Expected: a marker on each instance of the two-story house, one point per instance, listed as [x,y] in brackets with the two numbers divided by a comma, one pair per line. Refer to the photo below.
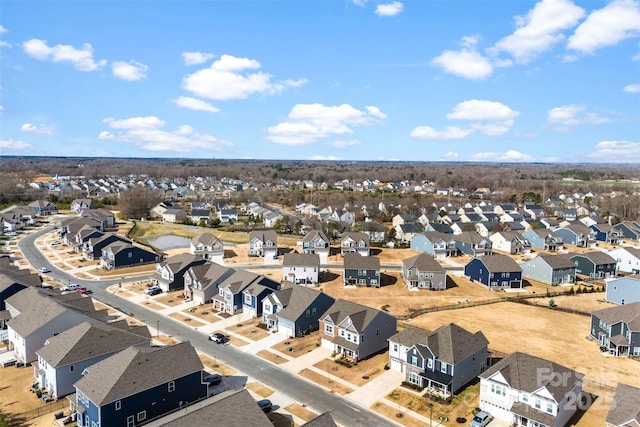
[627,259]
[471,243]
[169,274]
[93,246]
[630,230]
[443,361]
[294,310]
[618,329]
[139,384]
[438,245]
[623,290]
[607,234]
[510,242]
[43,207]
[123,254]
[243,291]
[361,270]
[301,269]
[353,241]
[422,271]
[316,242]
[577,234]
[528,391]
[595,265]
[263,243]
[494,271]
[355,331]
[207,246]
[543,238]
[551,269]
[202,281]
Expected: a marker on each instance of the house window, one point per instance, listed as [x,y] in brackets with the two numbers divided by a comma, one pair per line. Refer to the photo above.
[414,360]
[443,367]
[377,332]
[328,329]
[538,404]
[550,408]
[430,363]
[118,405]
[414,378]
[70,368]
[308,313]
[131,421]
[267,308]
[142,415]
[130,254]
[362,338]
[247,299]
[499,390]
[172,386]
[313,310]
[395,346]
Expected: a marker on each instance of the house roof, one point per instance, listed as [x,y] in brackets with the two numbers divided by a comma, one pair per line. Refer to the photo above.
[180,262]
[596,257]
[423,262]
[322,420]
[410,336]
[499,263]
[297,260]
[87,340]
[624,407]
[557,261]
[357,261]
[451,343]
[137,369]
[523,372]
[355,236]
[295,300]
[313,234]
[206,239]
[469,237]
[11,277]
[627,313]
[264,235]
[360,315]
[211,273]
[527,411]
[201,212]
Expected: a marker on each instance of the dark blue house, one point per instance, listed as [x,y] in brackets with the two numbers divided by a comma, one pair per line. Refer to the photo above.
[494,271]
[606,233]
[139,384]
[361,270]
[629,229]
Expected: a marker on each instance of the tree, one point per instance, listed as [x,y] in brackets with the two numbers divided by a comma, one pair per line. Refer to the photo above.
[137,201]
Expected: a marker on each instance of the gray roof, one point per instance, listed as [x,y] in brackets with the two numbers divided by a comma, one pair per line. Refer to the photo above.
[423,262]
[357,261]
[313,234]
[522,372]
[355,236]
[299,260]
[557,261]
[452,344]
[625,407]
[86,341]
[597,257]
[180,262]
[206,239]
[469,237]
[410,336]
[264,236]
[627,313]
[295,300]
[10,277]
[137,369]
[499,263]
[322,420]
[360,315]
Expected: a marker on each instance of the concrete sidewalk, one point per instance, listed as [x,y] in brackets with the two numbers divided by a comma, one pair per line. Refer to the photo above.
[266,342]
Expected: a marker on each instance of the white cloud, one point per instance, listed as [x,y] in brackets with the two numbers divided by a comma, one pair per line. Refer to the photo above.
[307,123]
[634,88]
[38,129]
[540,29]
[195,58]
[508,156]
[389,9]
[130,71]
[487,117]
[195,104]
[3,30]
[230,78]
[82,59]
[344,144]
[566,116]
[450,155]
[465,63]
[1,109]
[616,151]
[360,3]
[322,158]
[4,44]
[12,145]
[147,134]
[617,21]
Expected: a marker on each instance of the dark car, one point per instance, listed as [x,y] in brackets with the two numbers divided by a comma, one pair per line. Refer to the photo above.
[154,290]
[265,405]
[213,379]
[217,337]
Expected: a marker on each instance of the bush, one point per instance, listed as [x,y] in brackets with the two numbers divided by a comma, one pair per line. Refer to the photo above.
[412,386]
[552,303]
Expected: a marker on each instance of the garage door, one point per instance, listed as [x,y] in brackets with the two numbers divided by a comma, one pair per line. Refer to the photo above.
[327,344]
[285,329]
[396,365]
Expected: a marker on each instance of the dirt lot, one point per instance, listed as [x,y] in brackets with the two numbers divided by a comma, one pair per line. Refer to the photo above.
[250,330]
[298,346]
[325,381]
[359,374]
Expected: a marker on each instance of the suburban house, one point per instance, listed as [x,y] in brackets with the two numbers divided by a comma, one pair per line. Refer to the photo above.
[294,310]
[13,280]
[405,232]
[79,205]
[199,216]
[139,384]
[301,269]
[228,215]
[207,246]
[577,234]
[607,234]
[316,242]
[402,219]
[65,356]
[544,239]
[550,269]
[263,243]
[201,281]
[624,411]
[37,315]
[510,242]
[361,270]
[169,274]
[529,391]
[494,271]
[629,229]
[623,290]
[376,231]
[93,246]
[422,271]
[627,259]
[618,329]
[83,236]
[43,207]
[438,245]
[471,243]
[442,361]
[174,215]
[355,331]
[243,291]
[123,254]
[69,228]
[106,217]
[595,265]
[353,241]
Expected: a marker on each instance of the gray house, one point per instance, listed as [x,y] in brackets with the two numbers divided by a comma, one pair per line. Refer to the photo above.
[471,243]
[618,329]
[556,269]
[625,290]
[354,242]
[361,270]
[294,310]
[577,234]
[422,271]
[544,239]
[595,265]
[443,361]
[438,245]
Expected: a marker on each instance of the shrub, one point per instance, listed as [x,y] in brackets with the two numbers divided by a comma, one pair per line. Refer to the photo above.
[552,303]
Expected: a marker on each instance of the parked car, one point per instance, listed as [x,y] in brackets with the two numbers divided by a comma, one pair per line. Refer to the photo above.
[70,287]
[265,405]
[46,286]
[83,290]
[213,379]
[154,290]
[481,419]
[44,270]
[217,337]
[56,243]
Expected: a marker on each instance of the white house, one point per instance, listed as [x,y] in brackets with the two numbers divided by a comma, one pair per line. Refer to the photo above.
[301,269]
[627,259]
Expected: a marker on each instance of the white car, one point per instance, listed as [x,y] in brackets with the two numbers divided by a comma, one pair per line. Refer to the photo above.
[44,270]
[70,287]
[481,419]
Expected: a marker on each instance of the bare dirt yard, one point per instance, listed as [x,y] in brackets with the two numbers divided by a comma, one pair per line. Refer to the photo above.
[325,381]
[357,375]
[296,347]
[249,329]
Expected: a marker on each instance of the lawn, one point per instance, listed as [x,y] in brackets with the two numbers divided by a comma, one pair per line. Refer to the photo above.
[299,346]
[301,412]
[397,414]
[171,299]
[203,313]
[369,368]
[186,320]
[259,389]
[325,381]
[214,365]
[250,330]
[271,357]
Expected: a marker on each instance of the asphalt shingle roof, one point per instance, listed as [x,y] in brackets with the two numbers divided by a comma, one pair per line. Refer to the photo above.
[625,406]
[627,313]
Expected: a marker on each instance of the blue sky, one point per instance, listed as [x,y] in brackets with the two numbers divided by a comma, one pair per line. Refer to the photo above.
[444,80]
